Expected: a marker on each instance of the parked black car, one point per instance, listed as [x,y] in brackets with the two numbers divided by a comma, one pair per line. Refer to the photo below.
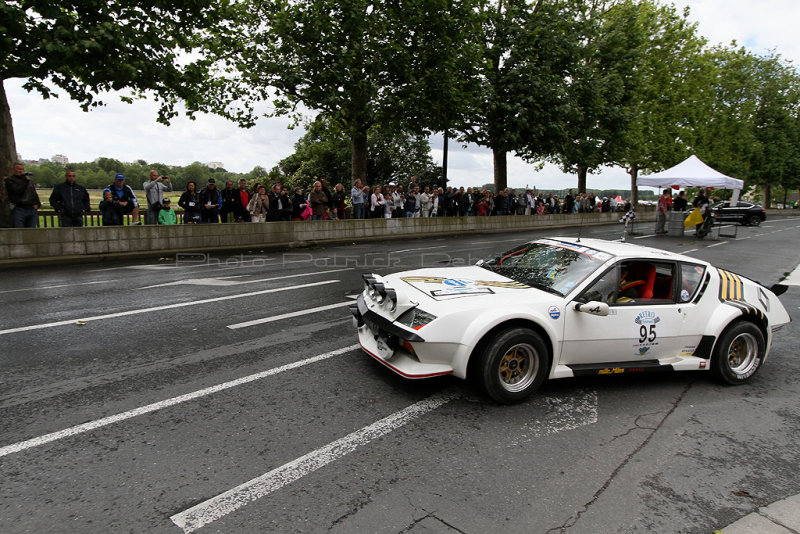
[747,213]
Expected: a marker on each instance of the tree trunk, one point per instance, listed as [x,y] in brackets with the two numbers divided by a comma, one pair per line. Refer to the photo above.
[358,143]
[8,155]
[444,158]
[582,170]
[500,170]
[767,195]
[634,172]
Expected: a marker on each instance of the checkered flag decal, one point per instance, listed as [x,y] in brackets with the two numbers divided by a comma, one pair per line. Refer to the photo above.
[630,216]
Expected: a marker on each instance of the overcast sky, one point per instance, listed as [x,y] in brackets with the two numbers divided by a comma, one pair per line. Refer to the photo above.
[129,132]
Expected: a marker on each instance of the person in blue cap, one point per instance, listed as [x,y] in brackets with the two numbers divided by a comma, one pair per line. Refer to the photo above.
[124,195]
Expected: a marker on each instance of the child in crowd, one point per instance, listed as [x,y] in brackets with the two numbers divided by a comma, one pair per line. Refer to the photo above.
[167,214]
[329,215]
[110,210]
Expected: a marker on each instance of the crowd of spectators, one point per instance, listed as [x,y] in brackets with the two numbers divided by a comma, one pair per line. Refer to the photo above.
[414,201]
[261,203]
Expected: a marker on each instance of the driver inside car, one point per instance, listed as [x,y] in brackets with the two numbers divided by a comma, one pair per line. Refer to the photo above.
[627,288]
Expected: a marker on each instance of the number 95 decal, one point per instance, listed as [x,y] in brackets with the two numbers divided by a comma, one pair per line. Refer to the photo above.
[647,335]
[646,323]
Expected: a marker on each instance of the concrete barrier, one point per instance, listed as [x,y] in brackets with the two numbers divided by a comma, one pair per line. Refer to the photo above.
[47,245]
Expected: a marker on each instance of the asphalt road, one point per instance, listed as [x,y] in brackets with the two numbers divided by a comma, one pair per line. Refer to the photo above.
[226,394]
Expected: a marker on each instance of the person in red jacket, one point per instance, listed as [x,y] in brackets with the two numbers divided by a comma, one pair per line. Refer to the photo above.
[664,205]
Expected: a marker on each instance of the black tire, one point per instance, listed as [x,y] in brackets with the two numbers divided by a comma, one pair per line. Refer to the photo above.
[754,220]
[739,353]
[513,365]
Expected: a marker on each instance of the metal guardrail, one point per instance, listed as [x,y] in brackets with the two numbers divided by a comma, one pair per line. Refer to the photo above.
[49,218]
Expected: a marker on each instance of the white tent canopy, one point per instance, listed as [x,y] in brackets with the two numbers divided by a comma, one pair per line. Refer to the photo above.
[690,173]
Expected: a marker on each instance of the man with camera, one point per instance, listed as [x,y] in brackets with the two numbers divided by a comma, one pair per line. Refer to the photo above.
[154,190]
[22,197]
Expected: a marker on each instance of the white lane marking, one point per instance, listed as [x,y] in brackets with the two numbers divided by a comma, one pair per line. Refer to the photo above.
[209,511]
[411,249]
[159,308]
[287,315]
[184,264]
[220,282]
[105,421]
[62,285]
[690,250]
[518,240]
[716,244]
[644,236]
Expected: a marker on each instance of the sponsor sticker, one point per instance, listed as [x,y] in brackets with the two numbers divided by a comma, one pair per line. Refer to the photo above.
[554,312]
[461,291]
[684,295]
[461,283]
[458,283]
[645,332]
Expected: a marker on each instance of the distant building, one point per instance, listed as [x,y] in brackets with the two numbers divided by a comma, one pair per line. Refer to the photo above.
[61,159]
[215,165]
[42,161]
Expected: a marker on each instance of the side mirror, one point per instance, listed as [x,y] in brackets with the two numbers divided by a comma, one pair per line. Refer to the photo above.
[593,308]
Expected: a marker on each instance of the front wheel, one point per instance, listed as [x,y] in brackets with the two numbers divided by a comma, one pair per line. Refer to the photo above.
[513,365]
[739,353]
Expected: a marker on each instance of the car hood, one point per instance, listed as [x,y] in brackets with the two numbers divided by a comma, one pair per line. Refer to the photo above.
[467,284]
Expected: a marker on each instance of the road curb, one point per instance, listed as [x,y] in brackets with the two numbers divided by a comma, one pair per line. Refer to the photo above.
[780,517]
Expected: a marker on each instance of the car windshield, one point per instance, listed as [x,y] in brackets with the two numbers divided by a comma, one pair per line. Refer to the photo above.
[546,264]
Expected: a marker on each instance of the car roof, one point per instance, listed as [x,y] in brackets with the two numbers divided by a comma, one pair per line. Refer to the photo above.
[626,250]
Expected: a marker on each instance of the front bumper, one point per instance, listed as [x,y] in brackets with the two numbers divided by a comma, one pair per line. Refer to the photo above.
[387,342]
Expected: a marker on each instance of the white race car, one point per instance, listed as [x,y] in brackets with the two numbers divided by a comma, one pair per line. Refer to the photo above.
[561,307]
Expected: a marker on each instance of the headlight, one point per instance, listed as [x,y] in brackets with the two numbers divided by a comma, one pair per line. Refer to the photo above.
[377,292]
[391,299]
[416,318]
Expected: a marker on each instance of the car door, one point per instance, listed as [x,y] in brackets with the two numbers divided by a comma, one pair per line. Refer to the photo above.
[736,213]
[644,321]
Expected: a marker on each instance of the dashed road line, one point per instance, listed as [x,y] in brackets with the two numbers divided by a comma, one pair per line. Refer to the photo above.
[287,315]
[413,249]
[58,286]
[105,421]
[218,281]
[159,308]
[223,504]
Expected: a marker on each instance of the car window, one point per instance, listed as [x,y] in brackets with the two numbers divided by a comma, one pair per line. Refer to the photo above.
[691,276]
[549,265]
[604,289]
[634,282]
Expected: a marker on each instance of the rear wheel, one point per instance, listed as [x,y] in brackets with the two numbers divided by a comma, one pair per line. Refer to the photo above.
[513,365]
[739,353]
[754,220]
